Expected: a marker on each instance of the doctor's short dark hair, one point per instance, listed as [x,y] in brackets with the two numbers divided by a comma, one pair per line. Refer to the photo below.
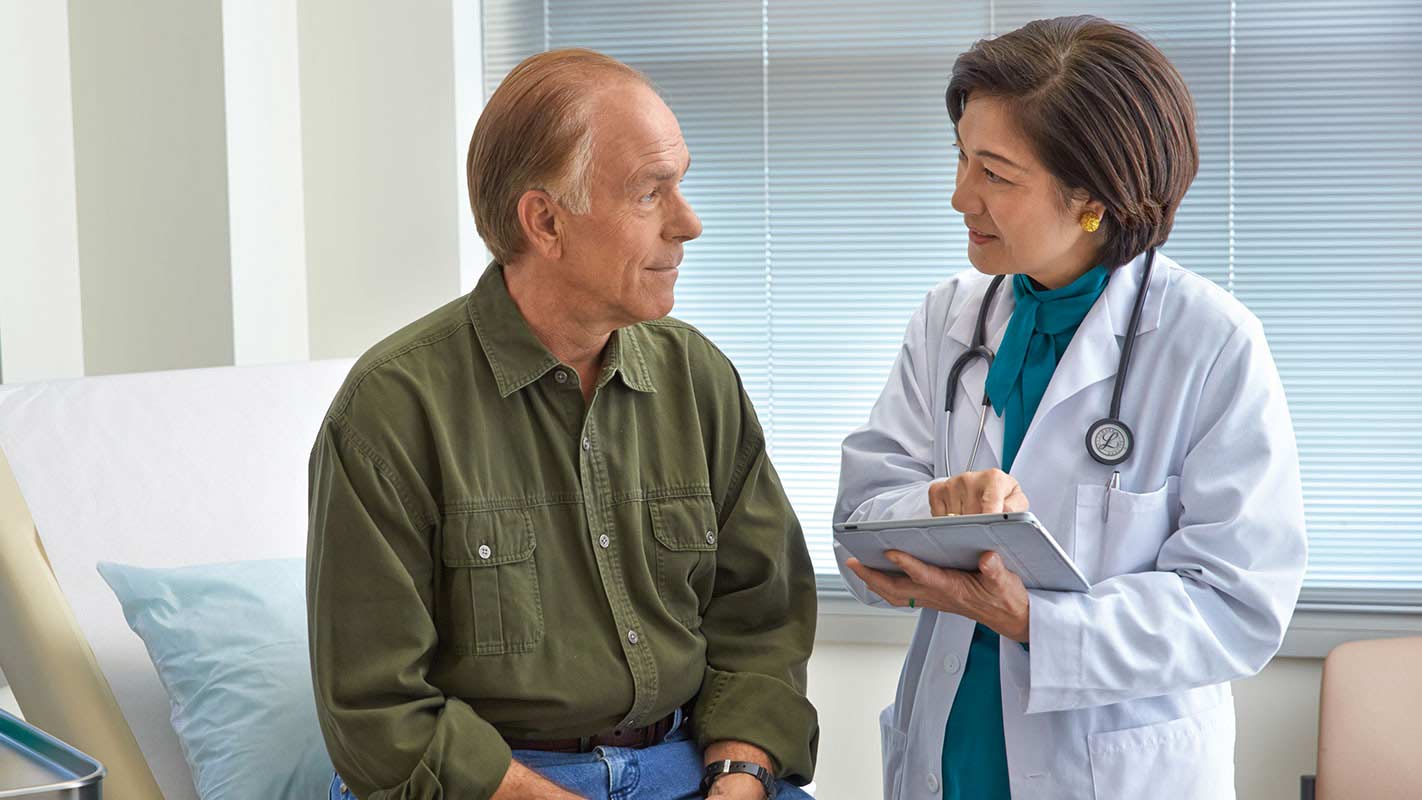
[1107,113]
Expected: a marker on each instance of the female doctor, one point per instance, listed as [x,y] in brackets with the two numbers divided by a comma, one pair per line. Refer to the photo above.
[1169,476]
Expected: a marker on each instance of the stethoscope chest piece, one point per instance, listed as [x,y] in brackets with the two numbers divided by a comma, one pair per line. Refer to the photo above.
[1109,441]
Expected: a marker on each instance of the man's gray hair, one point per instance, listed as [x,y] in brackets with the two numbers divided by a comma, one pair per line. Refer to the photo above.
[536,133]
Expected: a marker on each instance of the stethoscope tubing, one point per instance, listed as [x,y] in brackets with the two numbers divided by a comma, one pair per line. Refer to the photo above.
[978,349]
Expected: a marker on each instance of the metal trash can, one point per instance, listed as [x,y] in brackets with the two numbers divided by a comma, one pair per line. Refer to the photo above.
[37,766]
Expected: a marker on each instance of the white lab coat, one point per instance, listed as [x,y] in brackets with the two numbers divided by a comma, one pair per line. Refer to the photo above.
[1125,692]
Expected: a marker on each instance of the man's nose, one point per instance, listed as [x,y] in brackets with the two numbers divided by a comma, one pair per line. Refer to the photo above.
[685,225]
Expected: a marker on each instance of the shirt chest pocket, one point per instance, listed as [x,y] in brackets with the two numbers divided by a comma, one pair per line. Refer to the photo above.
[685,559]
[1119,532]
[491,602]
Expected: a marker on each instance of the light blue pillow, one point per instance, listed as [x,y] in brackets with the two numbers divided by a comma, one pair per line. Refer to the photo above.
[229,642]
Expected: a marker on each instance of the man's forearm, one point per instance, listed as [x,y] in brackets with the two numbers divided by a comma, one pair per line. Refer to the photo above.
[522,783]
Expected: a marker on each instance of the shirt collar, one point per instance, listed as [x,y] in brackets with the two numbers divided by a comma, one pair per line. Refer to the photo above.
[518,358]
[626,358]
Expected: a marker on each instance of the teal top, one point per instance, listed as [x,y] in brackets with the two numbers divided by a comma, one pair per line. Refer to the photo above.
[1042,324]
[1041,327]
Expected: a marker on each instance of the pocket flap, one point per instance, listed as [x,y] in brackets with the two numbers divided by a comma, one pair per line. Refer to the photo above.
[1093,495]
[684,523]
[1190,758]
[488,538]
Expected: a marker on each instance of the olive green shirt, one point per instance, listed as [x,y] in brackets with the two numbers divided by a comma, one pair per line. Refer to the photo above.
[490,556]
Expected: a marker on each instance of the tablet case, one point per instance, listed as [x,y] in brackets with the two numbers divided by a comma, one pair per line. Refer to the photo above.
[957,542]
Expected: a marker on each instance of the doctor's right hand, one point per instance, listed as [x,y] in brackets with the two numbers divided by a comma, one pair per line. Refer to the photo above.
[989,491]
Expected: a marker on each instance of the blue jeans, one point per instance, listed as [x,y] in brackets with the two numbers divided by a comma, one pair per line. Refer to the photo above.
[669,771]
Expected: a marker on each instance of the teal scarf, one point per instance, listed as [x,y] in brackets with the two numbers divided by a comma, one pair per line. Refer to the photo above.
[1041,327]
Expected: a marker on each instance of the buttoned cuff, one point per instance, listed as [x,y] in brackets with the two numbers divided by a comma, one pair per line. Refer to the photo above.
[763,711]
[1055,665]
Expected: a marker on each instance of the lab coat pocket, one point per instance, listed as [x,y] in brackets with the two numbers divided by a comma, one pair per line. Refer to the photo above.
[1128,539]
[491,601]
[1191,758]
[686,533]
[894,744]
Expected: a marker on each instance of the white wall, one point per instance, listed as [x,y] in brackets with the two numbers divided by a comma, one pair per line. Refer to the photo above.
[266,214]
[1278,728]
[377,112]
[849,683]
[41,329]
[468,33]
[229,181]
[150,158]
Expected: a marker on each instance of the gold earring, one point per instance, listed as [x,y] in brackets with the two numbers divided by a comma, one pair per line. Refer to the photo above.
[1090,221]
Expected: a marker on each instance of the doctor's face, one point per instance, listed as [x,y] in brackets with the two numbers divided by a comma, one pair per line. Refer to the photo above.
[1017,219]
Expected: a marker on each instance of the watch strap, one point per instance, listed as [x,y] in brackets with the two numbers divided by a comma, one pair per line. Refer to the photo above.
[716,769]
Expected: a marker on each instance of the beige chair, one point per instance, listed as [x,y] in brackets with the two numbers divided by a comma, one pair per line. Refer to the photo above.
[1370,722]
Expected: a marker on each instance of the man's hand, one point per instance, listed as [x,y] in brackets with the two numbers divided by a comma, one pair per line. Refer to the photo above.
[738,786]
[522,783]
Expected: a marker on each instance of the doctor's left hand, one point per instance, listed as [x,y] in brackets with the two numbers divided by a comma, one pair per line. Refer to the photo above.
[993,595]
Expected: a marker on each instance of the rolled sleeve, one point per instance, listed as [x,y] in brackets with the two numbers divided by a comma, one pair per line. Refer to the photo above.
[370,587]
[760,626]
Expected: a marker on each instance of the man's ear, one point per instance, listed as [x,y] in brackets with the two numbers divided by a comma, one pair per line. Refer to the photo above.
[540,217]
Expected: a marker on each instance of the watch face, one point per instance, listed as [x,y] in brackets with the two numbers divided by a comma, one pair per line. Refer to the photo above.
[1109,441]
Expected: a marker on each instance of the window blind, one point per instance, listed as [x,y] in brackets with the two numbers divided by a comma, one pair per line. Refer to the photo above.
[823,169]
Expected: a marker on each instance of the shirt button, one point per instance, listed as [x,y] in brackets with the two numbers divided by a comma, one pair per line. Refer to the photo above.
[632,637]
[603,541]
[951,664]
[932,783]
[485,551]
[587,443]
[560,376]
[710,537]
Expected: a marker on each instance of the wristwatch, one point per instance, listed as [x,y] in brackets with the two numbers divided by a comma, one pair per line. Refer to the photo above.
[716,769]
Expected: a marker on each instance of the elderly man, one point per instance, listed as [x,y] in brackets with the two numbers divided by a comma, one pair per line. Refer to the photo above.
[549,556]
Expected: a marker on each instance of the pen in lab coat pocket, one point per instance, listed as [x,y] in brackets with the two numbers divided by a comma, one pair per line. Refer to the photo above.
[1114,483]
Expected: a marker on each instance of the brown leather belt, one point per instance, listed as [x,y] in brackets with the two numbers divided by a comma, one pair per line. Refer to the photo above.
[645,736]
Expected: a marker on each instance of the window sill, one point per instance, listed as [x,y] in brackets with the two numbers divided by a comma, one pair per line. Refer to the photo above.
[1314,631]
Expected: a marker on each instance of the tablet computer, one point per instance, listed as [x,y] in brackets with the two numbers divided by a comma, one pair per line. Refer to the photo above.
[957,542]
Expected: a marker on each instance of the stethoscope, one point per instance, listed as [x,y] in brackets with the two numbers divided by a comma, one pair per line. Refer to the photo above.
[1108,440]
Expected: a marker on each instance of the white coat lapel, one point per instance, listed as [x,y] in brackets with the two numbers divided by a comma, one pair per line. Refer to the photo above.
[1095,349]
